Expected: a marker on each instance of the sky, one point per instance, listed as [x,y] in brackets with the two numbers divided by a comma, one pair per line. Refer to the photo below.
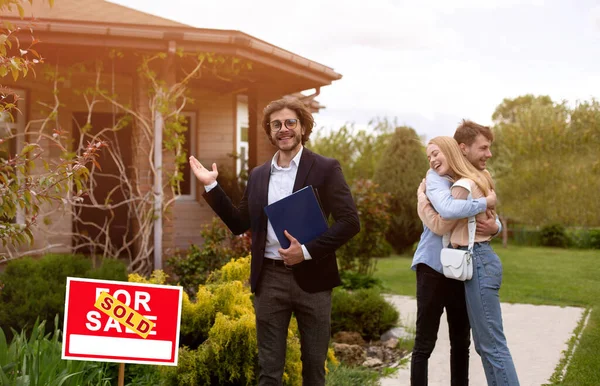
[428,63]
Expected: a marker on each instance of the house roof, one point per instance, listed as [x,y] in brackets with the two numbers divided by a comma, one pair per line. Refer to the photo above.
[97,11]
[99,23]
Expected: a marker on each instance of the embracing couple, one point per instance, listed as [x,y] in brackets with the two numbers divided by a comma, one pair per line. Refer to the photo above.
[444,207]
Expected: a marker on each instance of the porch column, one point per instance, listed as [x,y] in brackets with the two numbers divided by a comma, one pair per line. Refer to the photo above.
[253,128]
[165,222]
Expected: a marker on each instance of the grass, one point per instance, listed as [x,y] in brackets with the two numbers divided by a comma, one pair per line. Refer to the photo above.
[549,276]
[36,361]
[351,376]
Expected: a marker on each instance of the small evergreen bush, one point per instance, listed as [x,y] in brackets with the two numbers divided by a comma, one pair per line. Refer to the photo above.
[364,311]
[35,288]
[220,246]
[594,238]
[583,238]
[218,333]
[355,280]
[554,236]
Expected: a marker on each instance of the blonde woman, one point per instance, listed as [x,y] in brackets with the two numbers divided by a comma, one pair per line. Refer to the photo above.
[481,292]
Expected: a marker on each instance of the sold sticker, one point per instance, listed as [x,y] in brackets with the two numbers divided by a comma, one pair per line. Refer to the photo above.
[128,317]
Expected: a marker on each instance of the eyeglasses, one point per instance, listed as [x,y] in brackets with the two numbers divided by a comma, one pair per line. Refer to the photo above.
[277,125]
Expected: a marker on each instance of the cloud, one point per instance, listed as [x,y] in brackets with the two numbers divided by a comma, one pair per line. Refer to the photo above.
[594,16]
[430,62]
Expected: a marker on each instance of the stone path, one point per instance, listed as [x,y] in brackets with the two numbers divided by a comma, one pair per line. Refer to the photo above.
[536,336]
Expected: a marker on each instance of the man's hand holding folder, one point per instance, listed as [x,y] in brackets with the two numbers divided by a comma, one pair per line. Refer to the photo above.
[293,255]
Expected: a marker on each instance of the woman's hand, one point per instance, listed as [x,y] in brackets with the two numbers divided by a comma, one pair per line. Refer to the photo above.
[490,199]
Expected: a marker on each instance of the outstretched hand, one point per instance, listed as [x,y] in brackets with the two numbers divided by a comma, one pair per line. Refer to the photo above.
[205,176]
[293,255]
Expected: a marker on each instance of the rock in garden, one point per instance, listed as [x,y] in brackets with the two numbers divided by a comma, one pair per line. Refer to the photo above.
[348,337]
[350,354]
[376,352]
[390,343]
[372,362]
[398,333]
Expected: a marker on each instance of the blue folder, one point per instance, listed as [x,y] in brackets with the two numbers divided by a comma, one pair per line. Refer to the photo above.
[300,214]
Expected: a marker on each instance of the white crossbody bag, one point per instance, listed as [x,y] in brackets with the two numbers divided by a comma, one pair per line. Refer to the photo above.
[458,263]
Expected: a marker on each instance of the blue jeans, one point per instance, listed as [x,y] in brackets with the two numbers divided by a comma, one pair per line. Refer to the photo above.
[485,317]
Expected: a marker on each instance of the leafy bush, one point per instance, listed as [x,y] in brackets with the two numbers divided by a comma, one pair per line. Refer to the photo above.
[218,332]
[373,210]
[402,166]
[594,238]
[554,236]
[37,361]
[35,288]
[583,238]
[355,280]
[220,246]
[364,311]
[525,236]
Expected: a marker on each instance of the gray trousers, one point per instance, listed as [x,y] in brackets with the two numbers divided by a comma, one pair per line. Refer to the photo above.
[276,298]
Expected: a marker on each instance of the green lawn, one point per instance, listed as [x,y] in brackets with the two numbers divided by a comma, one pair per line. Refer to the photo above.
[536,276]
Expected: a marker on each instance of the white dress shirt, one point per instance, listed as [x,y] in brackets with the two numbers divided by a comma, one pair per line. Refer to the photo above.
[281,185]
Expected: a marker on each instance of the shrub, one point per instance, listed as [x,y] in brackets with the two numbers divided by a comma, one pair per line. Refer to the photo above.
[218,332]
[373,210]
[554,236]
[35,288]
[521,235]
[583,238]
[355,280]
[399,172]
[364,311]
[220,246]
[594,238]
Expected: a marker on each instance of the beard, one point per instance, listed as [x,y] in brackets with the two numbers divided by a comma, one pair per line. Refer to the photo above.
[291,142]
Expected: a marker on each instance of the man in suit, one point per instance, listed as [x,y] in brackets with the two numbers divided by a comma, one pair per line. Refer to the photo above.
[298,279]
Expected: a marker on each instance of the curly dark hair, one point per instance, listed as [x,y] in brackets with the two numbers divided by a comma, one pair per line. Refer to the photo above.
[304,115]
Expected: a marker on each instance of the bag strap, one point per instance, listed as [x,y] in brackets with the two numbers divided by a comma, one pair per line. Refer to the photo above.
[472,224]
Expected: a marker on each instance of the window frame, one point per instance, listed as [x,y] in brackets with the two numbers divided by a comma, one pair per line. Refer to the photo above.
[191,116]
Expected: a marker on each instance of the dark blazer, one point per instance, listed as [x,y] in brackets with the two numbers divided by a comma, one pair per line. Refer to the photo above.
[325,175]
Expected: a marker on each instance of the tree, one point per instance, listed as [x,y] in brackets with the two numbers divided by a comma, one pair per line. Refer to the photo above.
[401,168]
[358,151]
[507,111]
[546,165]
[27,181]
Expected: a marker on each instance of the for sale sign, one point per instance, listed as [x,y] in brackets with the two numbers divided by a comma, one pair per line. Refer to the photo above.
[114,321]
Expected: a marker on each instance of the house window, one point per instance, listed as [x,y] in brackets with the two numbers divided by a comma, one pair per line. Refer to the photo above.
[12,126]
[242,134]
[188,185]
